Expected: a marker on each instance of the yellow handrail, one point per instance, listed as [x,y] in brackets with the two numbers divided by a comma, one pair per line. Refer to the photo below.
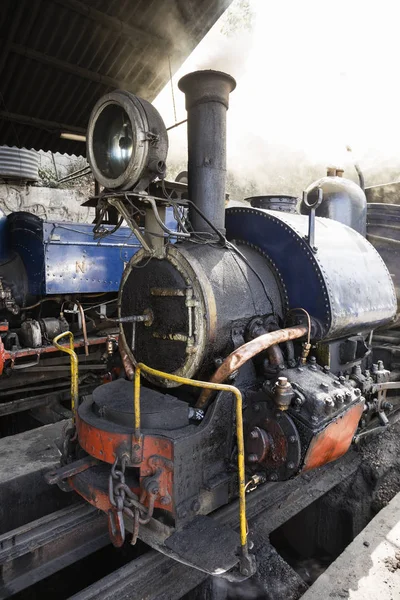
[239,430]
[74,368]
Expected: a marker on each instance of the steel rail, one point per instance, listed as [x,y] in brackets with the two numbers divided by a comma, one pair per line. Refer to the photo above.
[154,576]
[43,547]
[34,551]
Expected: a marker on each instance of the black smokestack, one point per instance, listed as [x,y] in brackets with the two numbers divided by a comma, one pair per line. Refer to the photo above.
[207,100]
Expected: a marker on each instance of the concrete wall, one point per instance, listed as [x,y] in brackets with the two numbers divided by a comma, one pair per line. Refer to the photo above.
[47,203]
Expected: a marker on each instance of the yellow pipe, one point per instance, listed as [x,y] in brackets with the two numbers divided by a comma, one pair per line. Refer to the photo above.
[74,368]
[239,430]
[136,401]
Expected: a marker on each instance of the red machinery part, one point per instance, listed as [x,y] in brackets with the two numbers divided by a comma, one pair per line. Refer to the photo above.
[333,441]
[157,460]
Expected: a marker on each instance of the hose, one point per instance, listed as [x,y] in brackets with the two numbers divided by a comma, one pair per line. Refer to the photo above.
[244,353]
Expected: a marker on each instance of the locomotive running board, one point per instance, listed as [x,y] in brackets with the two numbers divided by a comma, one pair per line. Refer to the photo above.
[206,544]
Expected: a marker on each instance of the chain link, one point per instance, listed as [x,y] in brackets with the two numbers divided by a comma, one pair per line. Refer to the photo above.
[125,501]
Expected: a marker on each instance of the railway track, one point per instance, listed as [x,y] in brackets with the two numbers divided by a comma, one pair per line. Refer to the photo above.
[42,548]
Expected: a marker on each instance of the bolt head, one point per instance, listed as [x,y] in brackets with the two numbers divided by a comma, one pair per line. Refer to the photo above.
[290,465]
[282,381]
[292,439]
[273,477]
[164,500]
[254,434]
[253,458]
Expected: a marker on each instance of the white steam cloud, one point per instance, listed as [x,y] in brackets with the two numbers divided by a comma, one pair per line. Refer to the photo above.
[312,77]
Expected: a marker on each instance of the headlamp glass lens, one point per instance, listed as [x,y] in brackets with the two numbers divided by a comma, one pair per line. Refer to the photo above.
[112,141]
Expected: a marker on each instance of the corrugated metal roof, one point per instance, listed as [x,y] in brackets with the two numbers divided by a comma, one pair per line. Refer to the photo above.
[57,57]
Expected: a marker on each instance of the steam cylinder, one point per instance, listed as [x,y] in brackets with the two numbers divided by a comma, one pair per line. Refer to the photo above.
[207,100]
[343,201]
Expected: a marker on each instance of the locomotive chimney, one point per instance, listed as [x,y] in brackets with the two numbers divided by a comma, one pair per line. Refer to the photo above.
[207,100]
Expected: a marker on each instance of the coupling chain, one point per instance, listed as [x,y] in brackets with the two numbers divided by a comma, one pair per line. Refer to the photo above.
[126,502]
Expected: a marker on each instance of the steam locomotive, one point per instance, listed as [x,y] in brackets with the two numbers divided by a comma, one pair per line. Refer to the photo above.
[246,342]
[56,277]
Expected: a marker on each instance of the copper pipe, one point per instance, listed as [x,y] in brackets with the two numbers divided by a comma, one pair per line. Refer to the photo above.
[126,361]
[84,330]
[244,353]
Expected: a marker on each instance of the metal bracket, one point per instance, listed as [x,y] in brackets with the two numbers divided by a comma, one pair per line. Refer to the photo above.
[124,212]
[311,218]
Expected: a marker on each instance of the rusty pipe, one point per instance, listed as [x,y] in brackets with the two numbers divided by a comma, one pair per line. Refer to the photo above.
[241,355]
[126,361]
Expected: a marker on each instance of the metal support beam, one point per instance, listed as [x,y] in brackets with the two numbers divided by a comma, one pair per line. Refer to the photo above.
[70,68]
[23,404]
[41,123]
[43,547]
[132,35]
[6,44]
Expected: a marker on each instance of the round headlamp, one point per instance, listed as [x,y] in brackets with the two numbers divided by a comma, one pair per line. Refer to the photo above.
[127,142]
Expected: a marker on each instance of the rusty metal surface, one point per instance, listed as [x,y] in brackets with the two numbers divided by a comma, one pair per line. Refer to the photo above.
[247,351]
[57,57]
[333,441]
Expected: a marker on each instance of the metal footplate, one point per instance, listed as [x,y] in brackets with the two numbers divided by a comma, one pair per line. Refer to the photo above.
[206,545]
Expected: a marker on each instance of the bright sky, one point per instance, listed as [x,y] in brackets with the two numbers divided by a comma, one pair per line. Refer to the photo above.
[312,76]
